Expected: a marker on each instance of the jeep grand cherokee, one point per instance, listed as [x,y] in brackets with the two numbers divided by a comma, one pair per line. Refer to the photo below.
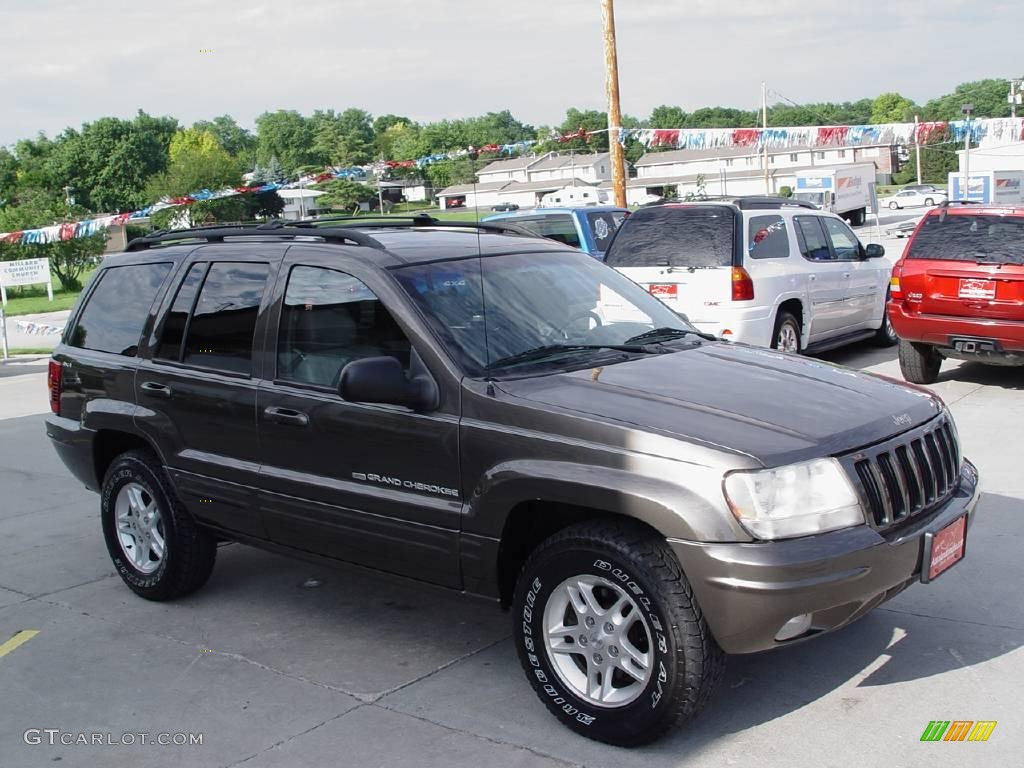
[502,415]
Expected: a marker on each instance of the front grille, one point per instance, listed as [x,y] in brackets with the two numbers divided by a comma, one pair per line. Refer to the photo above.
[909,475]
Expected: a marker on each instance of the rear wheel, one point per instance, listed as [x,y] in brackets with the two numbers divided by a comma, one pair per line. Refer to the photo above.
[929,202]
[157,548]
[610,635]
[919,363]
[894,206]
[786,336]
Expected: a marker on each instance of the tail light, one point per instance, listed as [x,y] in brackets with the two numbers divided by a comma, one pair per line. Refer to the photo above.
[55,383]
[742,285]
[894,282]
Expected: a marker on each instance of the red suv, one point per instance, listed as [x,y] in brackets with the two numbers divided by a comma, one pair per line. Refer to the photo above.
[958,290]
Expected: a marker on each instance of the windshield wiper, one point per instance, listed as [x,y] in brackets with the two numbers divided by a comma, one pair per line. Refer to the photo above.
[665,334]
[557,350]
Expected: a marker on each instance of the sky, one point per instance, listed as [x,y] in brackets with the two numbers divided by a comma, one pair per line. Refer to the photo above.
[72,61]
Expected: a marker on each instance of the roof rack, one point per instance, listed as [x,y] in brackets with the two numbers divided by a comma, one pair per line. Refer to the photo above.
[752,202]
[418,220]
[276,228]
[947,203]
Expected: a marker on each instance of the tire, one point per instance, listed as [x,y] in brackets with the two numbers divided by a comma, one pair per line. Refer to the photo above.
[783,322]
[920,363]
[928,202]
[662,625]
[136,483]
[894,206]
[886,336]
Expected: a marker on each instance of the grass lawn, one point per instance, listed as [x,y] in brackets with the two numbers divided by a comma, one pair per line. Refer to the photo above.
[33,301]
[29,351]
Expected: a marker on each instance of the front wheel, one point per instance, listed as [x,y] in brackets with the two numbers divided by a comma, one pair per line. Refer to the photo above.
[610,634]
[894,206]
[919,363]
[153,541]
[929,202]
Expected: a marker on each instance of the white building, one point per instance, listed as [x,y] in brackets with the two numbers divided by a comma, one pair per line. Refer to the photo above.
[525,180]
[740,170]
[1009,157]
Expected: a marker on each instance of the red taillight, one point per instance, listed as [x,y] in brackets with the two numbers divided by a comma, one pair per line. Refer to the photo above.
[55,383]
[895,290]
[742,285]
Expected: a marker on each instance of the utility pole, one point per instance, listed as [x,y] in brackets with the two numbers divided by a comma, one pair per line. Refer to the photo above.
[1014,96]
[917,149]
[967,109]
[764,136]
[611,59]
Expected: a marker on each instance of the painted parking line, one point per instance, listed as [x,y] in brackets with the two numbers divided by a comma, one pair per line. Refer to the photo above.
[20,638]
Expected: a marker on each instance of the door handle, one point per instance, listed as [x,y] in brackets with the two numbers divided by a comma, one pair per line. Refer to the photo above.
[155,389]
[846,274]
[812,278]
[286,416]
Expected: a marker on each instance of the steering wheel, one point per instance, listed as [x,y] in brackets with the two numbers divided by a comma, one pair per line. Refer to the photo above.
[556,335]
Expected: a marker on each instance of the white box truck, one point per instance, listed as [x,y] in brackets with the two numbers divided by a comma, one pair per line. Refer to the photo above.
[574,197]
[844,189]
[995,187]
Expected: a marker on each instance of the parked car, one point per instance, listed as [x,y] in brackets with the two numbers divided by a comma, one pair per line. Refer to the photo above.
[505,207]
[445,403]
[773,272]
[958,290]
[589,229]
[903,229]
[912,198]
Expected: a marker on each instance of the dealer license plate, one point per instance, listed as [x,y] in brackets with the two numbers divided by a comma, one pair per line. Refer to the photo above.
[947,547]
[664,290]
[977,289]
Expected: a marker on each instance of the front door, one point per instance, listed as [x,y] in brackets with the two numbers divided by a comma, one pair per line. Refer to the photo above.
[196,388]
[863,283]
[371,484]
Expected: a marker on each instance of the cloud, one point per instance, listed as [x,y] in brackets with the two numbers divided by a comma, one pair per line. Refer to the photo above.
[69,62]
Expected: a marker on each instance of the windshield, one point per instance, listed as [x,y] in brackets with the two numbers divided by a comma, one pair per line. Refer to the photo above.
[970,237]
[815,198]
[493,308]
[675,236]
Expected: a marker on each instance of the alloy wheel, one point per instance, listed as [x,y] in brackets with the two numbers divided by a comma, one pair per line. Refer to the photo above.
[140,527]
[787,340]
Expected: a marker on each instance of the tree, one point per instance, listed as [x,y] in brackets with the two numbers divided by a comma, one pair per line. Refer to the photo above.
[68,258]
[938,160]
[342,139]
[892,108]
[667,117]
[198,161]
[344,193]
[288,136]
[987,96]
[271,173]
[8,176]
[237,140]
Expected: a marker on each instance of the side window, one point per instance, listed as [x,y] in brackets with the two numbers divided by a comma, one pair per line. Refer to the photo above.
[328,320]
[811,238]
[220,332]
[844,242]
[176,322]
[117,309]
[767,237]
[560,227]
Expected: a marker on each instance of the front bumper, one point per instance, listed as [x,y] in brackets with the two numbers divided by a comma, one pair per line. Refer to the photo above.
[748,591]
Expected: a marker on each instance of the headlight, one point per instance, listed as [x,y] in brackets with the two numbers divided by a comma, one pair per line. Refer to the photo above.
[796,500]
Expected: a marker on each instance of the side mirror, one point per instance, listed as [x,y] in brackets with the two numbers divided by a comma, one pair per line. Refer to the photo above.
[874,251]
[382,380]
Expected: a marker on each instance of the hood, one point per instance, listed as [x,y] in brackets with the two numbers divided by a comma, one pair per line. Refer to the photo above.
[777,408]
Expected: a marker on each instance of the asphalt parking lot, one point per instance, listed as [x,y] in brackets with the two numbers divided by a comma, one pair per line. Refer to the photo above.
[280,663]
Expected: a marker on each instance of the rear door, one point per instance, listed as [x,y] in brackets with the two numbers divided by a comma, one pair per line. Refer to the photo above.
[967,264]
[682,254]
[826,285]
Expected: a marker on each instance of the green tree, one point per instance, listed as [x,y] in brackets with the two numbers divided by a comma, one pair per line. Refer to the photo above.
[8,176]
[987,96]
[198,161]
[667,116]
[68,258]
[938,160]
[237,140]
[288,136]
[344,193]
[892,108]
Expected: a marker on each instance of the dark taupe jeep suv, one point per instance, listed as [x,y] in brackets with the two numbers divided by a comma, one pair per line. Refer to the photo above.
[502,415]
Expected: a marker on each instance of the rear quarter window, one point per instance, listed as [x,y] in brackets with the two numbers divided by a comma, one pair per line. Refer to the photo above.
[694,236]
[969,237]
[113,317]
[767,237]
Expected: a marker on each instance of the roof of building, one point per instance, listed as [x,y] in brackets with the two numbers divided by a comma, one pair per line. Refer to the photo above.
[543,186]
[511,164]
[568,160]
[461,189]
[690,155]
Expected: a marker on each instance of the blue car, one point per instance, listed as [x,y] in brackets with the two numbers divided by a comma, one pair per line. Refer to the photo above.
[590,229]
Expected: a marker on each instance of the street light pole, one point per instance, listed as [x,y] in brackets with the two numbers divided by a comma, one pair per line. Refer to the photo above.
[966,109]
[764,136]
[917,149]
[614,112]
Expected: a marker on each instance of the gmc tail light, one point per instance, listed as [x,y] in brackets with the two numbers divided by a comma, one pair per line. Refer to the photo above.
[895,291]
[742,285]
[55,383]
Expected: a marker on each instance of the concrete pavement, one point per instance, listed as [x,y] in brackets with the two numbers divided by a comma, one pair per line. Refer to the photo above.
[356,669]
